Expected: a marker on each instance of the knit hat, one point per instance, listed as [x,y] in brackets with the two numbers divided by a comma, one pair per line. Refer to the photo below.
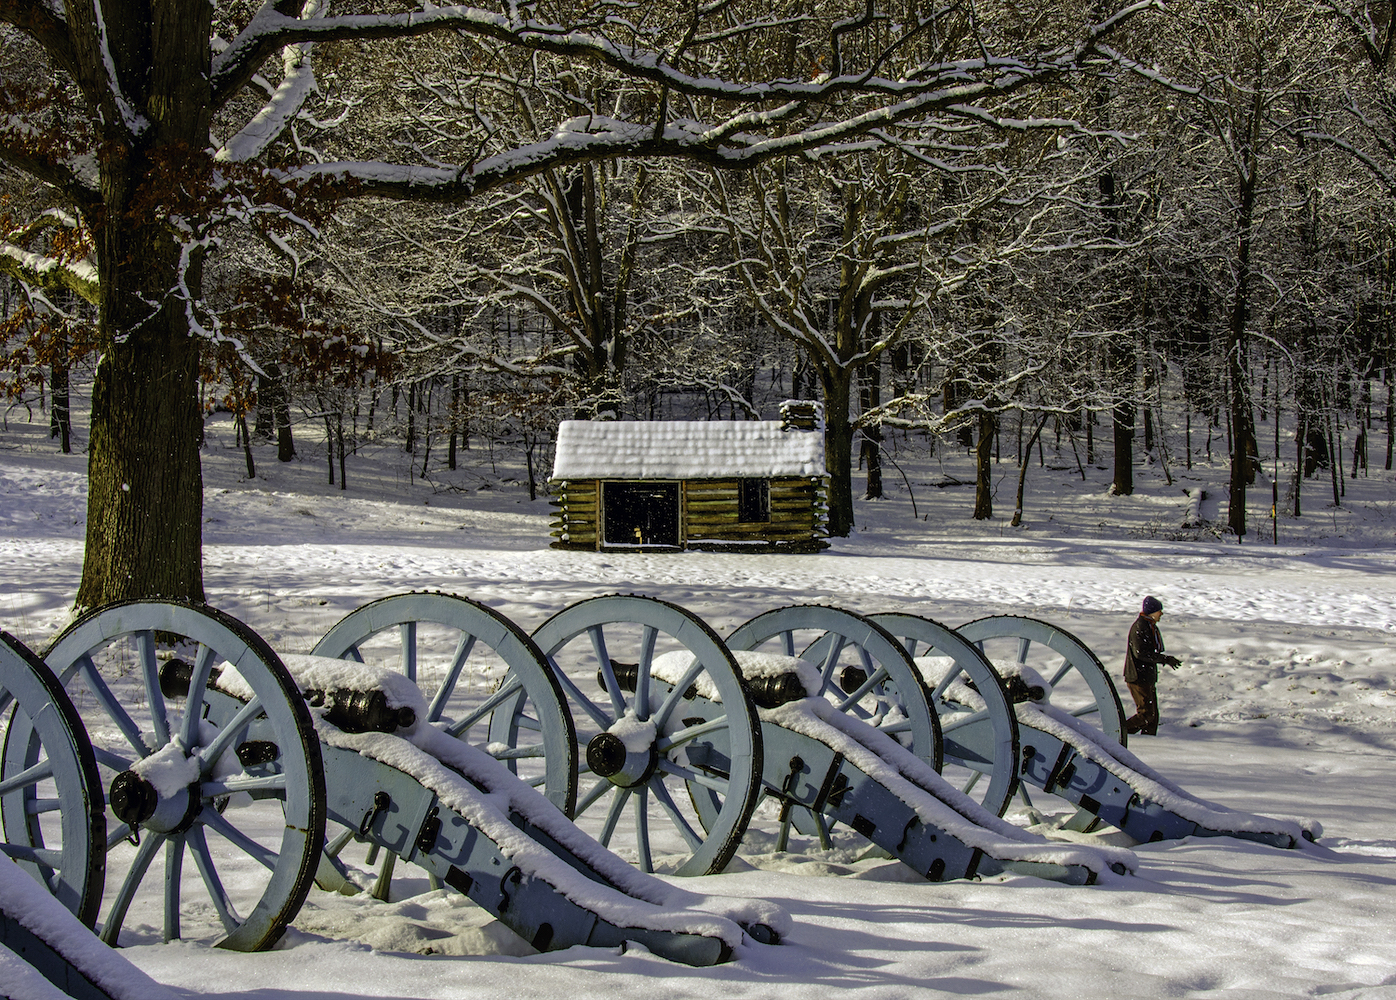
[1151,604]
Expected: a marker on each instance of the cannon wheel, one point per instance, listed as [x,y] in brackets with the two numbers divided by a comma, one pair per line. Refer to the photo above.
[109,662]
[49,782]
[995,757]
[710,745]
[888,692]
[879,686]
[525,719]
[1080,683]
[529,706]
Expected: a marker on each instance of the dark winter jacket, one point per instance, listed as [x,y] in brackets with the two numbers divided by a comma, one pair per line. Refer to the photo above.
[1144,653]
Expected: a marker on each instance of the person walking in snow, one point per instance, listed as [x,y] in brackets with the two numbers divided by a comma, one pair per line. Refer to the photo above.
[1143,654]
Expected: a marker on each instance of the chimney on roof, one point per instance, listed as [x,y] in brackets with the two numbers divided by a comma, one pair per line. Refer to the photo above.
[801,415]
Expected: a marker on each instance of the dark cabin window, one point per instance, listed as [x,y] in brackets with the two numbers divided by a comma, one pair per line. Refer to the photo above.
[641,513]
[753,500]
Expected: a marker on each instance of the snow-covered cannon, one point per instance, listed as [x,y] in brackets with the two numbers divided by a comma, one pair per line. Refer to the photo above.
[689,734]
[208,751]
[1073,746]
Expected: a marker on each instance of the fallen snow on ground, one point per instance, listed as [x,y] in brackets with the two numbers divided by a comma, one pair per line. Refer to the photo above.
[1285,705]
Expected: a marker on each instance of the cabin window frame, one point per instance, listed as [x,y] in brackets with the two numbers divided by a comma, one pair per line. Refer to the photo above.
[753,498]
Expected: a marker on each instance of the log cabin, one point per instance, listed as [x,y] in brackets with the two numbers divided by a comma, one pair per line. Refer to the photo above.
[669,485]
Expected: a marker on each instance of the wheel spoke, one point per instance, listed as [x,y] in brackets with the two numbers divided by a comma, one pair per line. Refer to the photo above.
[150,674]
[506,690]
[108,759]
[642,674]
[787,642]
[114,837]
[340,842]
[608,672]
[244,783]
[1023,646]
[464,647]
[39,855]
[517,753]
[582,701]
[203,860]
[593,793]
[262,855]
[697,777]
[661,717]
[874,679]
[836,645]
[613,815]
[111,706]
[1062,671]
[144,855]
[353,653]
[174,868]
[407,635]
[973,780]
[945,682]
[29,776]
[1088,710]
[642,829]
[194,703]
[207,755]
[666,743]
[666,802]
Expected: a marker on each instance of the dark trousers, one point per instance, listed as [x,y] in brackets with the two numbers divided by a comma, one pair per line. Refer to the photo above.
[1145,718]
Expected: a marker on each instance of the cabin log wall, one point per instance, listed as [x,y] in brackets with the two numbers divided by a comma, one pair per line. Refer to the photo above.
[708,516]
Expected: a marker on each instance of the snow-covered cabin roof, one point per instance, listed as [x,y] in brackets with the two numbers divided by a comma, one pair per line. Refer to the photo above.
[685,449]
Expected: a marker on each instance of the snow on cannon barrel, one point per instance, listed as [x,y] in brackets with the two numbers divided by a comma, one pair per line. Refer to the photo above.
[457,811]
[841,746]
[1086,764]
[210,733]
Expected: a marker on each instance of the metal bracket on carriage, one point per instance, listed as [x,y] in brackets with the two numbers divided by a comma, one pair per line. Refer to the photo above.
[1079,763]
[839,766]
[462,815]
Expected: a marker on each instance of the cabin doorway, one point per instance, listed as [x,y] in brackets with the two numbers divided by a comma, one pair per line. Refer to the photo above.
[641,513]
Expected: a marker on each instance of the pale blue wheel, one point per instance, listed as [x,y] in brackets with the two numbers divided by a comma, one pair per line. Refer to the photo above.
[863,670]
[1079,682]
[51,804]
[207,753]
[659,706]
[485,682]
[977,722]
[484,679]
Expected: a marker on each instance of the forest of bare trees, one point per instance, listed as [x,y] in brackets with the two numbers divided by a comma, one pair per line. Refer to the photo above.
[979,222]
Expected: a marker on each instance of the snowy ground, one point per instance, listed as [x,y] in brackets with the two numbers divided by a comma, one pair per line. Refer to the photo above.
[1286,704]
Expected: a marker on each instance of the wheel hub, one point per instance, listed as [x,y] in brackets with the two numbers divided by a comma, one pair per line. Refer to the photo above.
[609,757]
[137,803]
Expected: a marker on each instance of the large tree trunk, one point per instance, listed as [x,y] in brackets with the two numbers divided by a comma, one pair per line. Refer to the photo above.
[145,487]
[1243,441]
[838,451]
[983,464]
[872,434]
[144,483]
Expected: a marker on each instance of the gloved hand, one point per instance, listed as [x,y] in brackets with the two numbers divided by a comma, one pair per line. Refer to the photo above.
[1173,661]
